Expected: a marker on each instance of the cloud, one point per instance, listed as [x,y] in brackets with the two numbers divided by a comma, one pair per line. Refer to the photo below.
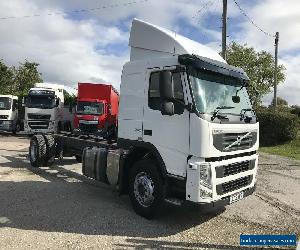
[64,48]
[92,45]
[273,16]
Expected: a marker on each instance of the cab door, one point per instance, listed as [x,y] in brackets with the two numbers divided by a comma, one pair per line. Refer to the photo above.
[169,134]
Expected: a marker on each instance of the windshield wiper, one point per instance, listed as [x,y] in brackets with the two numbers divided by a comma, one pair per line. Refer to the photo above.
[216,111]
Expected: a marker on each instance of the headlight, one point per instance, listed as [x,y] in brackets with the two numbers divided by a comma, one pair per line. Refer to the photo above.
[205,174]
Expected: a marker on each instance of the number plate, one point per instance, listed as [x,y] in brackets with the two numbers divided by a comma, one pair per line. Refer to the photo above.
[236,197]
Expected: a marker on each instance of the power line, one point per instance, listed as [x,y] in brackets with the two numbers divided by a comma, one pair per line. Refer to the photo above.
[204,6]
[111,6]
[251,21]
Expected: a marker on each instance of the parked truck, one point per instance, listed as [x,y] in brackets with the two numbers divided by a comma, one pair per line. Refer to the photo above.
[97,109]
[11,119]
[45,111]
[186,128]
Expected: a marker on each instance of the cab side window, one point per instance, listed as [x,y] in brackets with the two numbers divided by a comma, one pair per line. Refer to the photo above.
[154,100]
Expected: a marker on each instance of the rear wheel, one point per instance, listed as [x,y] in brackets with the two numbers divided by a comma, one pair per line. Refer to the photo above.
[50,150]
[146,188]
[37,151]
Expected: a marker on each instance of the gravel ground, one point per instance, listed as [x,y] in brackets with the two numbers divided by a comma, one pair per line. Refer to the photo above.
[54,208]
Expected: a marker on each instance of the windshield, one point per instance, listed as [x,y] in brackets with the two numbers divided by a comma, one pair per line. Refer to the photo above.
[46,101]
[215,91]
[90,108]
[5,103]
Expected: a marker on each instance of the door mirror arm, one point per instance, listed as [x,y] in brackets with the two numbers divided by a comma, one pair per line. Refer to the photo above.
[189,107]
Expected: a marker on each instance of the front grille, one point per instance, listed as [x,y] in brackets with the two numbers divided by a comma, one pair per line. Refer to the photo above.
[234,185]
[234,168]
[234,141]
[38,124]
[90,128]
[39,116]
[5,117]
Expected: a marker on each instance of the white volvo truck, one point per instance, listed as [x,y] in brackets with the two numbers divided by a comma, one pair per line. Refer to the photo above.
[9,114]
[45,111]
[186,128]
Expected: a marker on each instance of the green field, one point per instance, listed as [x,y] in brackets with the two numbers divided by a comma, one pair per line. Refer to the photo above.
[290,149]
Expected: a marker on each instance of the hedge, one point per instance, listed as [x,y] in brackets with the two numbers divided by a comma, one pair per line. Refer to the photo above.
[277,127]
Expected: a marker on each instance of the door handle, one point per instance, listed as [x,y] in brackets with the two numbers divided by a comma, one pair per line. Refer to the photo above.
[148,132]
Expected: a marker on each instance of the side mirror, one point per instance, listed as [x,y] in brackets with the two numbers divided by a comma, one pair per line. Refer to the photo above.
[57,102]
[166,85]
[236,99]
[167,108]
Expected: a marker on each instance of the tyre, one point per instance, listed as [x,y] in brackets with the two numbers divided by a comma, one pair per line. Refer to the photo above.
[78,158]
[50,150]
[37,151]
[146,188]
[17,128]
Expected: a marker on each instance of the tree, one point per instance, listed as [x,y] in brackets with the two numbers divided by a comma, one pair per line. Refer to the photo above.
[295,110]
[259,67]
[25,76]
[6,76]
[18,80]
[70,99]
[280,102]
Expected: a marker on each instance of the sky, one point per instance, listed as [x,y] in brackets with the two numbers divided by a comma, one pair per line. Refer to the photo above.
[92,46]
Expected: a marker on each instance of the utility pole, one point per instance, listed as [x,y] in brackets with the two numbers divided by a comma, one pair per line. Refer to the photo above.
[224,29]
[275,69]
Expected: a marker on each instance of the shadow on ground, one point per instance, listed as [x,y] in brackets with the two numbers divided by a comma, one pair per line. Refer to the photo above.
[160,244]
[61,200]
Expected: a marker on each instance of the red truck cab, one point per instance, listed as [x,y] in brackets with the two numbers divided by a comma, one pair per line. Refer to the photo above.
[97,108]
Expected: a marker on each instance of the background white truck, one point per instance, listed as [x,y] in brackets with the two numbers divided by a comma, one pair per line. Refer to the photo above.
[10,119]
[45,111]
[186,129]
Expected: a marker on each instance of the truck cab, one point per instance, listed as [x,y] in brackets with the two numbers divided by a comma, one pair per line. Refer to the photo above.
[183,104]
[97,108]
[44,109]
[9,114]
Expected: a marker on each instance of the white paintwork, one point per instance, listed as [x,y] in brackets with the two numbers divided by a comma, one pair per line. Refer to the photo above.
[179,139]
[58,114]
[201,144]
[194,187]
[13,115]
[148,40]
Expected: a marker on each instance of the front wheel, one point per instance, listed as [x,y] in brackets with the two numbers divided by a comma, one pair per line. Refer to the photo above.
[146,188]
[37,151]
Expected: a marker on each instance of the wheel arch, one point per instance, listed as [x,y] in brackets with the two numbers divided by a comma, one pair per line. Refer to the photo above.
[137,150]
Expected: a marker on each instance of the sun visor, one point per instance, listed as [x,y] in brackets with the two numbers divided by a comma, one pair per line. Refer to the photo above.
[213,66]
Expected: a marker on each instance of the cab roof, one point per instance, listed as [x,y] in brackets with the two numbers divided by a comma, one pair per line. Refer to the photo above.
[148,41]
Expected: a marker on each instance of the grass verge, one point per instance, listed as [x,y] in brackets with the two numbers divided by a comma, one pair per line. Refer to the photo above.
[290,149]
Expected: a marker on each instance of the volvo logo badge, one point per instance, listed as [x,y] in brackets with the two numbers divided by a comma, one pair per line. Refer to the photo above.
[238,140]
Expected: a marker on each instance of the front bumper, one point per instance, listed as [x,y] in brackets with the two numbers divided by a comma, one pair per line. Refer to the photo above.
[40,126]
[6,125]
[222,185]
